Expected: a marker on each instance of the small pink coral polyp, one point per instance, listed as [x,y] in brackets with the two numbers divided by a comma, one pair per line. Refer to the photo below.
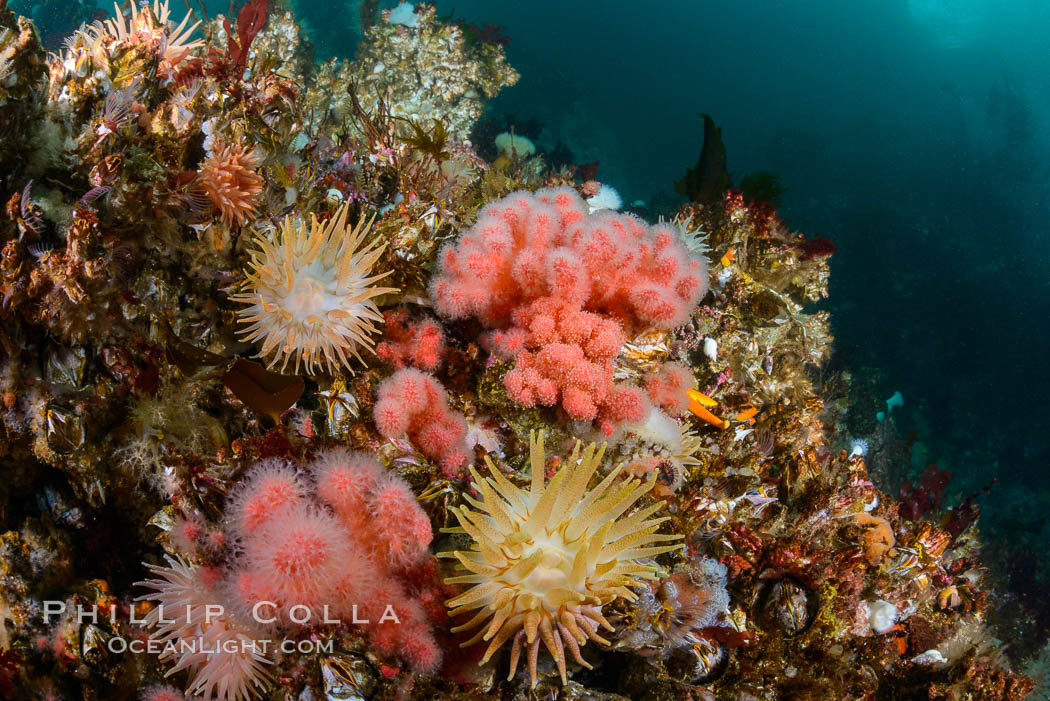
[668,388]
[163,693]
[420,344]
[413,403]
[376,505]
[270,487]
[295,559]
[303,553]
[344,481]
[396,508]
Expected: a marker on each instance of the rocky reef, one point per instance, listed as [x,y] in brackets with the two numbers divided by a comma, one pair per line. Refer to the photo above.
[302,398]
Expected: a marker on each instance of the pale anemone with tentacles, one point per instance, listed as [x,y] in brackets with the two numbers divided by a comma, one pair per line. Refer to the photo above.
[310,294]
[88,48]
[223,658]
[545,561]
[157,25]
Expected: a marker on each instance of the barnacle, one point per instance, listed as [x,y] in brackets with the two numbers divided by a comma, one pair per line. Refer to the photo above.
[544,562]
[309,293]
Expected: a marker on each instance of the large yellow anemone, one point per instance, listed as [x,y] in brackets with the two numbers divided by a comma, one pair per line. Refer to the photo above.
[545,562]
[310,295]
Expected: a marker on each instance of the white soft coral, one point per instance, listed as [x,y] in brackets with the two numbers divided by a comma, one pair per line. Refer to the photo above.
[606,198]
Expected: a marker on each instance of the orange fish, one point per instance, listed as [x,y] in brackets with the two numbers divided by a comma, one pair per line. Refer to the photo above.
[706,415]
[701,398]
[747,415]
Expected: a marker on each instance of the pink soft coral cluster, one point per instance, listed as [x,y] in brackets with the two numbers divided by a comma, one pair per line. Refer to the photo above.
[420,343]
[413,403]
[668,387]
[568,354]
[346,543]
[162,692]
[560,288]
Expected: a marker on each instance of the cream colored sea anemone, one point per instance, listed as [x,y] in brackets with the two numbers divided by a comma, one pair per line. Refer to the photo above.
[228,178]
[545,562]
[143,26]
[225,661]
[309,293]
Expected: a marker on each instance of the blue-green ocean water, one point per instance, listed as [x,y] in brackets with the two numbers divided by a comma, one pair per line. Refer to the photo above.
[914,133]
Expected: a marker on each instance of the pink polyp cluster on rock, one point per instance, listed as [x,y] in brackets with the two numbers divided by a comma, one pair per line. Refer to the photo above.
[352,560]
[527,246]
[559,288]
[162,692]
[376,505]
[420,344]
[668,388]
[572,363]
[295,558]
[274,486]
[344,481]
[413,403]
[186,532]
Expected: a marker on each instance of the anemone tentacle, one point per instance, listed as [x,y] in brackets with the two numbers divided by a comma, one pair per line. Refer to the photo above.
[310,294]
[545,561]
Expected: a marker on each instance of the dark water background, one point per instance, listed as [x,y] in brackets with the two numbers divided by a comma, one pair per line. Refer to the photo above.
[914,133]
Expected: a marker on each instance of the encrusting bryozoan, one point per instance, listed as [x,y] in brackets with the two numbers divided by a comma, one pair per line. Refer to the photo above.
[544,562]
[310,294]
